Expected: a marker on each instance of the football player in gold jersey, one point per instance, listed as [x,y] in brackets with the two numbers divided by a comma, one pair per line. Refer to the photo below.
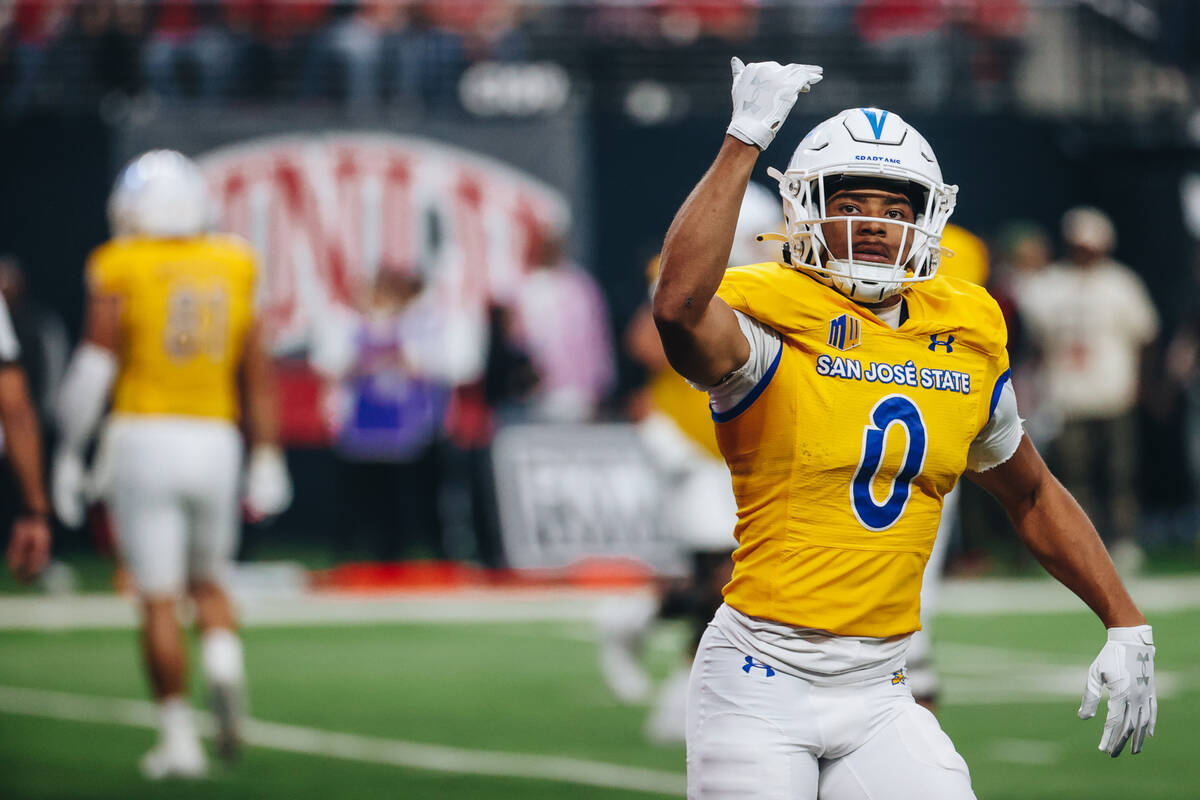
[171,333]
[851,387]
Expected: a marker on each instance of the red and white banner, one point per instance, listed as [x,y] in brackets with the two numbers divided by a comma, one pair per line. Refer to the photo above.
[327,211]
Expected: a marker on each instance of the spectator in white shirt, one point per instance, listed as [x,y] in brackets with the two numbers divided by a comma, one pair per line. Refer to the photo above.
[1091,317]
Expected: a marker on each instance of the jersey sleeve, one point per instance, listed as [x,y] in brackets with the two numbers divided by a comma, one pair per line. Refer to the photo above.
[765,344]
[103,273]
[1001,436]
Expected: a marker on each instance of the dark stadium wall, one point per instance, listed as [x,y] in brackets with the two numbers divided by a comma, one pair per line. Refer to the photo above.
[55,174]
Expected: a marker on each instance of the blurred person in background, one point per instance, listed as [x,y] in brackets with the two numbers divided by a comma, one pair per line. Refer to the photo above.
[171,332]
[394,374]
[676,429]
[912,35]
[29,540]
[424,59]
[1025,251]
[345,57]
[190,52]
[32,29]
[1090,318]
[850,369]
[561,320]
[99,54]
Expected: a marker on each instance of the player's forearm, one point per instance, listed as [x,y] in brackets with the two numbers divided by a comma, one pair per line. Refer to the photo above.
[696,249]
[260,400]
[262,421]
[24,442]
[1063,539]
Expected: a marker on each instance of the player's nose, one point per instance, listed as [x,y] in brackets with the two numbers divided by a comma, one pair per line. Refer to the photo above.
[870,226]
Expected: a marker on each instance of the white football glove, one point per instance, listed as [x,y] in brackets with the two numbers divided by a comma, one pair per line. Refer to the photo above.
[1126,667]
[763,94]
[69,487]
[268,488]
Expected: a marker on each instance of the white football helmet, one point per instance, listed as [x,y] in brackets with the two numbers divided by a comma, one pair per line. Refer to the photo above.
[161,194]
[864,146]
[759,213]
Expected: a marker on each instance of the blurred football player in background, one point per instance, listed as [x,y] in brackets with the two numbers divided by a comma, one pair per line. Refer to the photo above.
[29,543]
[852,387]
[676,429]
[170,323]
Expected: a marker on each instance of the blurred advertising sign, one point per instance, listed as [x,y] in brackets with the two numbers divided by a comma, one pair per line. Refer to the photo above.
[327,211]
[567,493]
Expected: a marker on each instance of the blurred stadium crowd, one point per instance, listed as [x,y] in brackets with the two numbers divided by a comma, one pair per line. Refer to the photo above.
[964,54]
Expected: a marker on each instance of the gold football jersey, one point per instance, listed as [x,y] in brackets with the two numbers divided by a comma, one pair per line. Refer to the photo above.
[186,306]
[842,454]
[686,406]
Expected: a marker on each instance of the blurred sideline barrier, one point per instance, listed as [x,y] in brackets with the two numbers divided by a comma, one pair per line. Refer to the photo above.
[567,493]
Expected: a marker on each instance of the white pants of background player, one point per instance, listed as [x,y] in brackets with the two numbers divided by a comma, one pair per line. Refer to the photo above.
[172,486]
[755,731]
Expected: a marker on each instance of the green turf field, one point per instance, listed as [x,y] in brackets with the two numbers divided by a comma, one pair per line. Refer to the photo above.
[497,697]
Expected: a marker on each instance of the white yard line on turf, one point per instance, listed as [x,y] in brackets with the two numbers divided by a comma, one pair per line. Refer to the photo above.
[960,596]
[1025,751]
[353,747]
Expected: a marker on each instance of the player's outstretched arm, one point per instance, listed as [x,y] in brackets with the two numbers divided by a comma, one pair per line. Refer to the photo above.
[699,331]
[1060,535]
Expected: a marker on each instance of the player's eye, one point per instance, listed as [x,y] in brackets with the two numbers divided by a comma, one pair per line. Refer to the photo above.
[896,213]
[846,209]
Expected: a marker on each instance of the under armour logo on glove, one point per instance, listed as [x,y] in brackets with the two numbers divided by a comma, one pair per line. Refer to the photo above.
[752,664]
[751,103]
[763,95]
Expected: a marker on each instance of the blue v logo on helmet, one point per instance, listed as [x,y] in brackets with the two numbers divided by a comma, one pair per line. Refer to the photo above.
[876,118]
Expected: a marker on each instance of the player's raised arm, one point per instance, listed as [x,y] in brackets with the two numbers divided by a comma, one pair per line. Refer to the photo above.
[1060,535]
[699,331]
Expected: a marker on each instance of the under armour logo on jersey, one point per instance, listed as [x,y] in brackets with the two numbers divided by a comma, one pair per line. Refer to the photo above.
[752,664]
[934,344]
[876,118]
[898,677]
[845,332]
[1144,658]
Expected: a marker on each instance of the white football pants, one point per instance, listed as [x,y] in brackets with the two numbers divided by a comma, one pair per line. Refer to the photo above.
[171,484]
[754,731]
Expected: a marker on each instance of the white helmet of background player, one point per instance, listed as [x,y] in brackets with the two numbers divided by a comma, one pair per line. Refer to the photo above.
[863,147]
[759,213]
[161,194]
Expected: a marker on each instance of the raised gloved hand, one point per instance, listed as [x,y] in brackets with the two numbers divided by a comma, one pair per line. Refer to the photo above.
[268,488]
[1126,668]
[763,95]
[69,487]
